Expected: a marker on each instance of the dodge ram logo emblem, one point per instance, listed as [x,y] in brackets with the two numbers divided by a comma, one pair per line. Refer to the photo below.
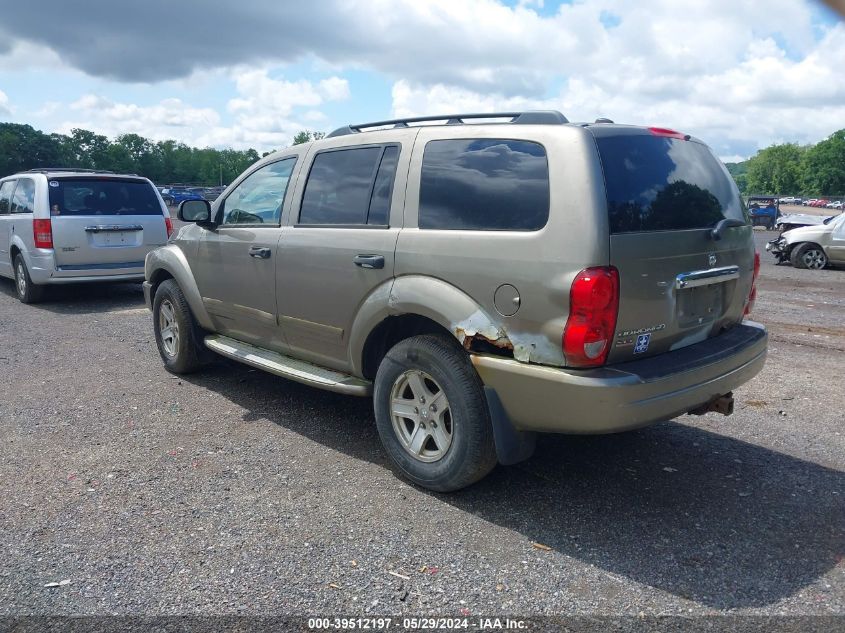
[711,259]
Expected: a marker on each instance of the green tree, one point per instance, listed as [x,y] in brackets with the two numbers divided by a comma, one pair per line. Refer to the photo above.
[23,147]
[823,166]
[775,170]
[306,136]
[739,172]
[88,150]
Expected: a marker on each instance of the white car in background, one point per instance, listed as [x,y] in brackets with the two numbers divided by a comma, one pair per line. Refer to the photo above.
[812,247]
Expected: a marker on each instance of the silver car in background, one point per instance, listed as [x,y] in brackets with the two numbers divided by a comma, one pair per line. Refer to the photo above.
[74,225]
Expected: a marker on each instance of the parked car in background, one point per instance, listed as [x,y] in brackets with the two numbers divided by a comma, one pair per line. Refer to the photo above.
[71,225]
[812,247]
[764,211]
[790,200]
[212,193]
[837,204]
[482,282]
[798,220]
[173,196]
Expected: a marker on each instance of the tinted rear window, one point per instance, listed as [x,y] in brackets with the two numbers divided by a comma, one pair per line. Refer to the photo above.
[656,183]
[93,196]
[484,184]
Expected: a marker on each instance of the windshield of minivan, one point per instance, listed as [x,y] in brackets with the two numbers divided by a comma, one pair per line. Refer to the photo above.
[655,183]
[100,196]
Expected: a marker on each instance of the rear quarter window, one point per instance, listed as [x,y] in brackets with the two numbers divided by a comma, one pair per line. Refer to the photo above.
[6,190]
[23,200]
[655,183]
[484,184]
[98,196]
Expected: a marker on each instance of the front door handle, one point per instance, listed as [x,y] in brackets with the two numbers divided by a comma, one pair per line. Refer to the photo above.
[261,252]
[369,261]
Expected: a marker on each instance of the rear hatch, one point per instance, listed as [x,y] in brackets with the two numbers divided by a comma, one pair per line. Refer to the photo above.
[104,222]
[666,193]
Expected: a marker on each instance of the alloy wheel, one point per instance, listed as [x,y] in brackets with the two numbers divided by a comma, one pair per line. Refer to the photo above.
[814,258]
[168,328]
[422,419]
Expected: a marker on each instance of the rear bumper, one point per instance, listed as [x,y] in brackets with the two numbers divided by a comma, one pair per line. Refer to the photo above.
[43,271]
[627,395]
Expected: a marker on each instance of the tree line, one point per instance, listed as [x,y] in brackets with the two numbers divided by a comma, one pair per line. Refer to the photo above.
[786,169]
[22,147]
[791,169]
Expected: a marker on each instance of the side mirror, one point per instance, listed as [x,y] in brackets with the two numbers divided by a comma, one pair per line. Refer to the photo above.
[198,211]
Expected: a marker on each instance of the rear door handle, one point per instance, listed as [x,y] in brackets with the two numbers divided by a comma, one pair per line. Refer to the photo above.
[369,261]
[261,252]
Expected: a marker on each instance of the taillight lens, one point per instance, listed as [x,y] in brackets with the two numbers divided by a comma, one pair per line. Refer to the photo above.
[593,308]
[43,233]
[752,296]
[168,224]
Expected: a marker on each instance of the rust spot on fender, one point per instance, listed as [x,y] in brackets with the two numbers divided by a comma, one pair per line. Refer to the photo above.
[467,339]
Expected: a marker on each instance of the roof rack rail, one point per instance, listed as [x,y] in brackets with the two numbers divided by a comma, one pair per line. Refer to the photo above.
[530,117]
[80,170]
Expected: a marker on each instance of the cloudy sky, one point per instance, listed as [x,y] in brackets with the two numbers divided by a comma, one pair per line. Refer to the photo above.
[741,74]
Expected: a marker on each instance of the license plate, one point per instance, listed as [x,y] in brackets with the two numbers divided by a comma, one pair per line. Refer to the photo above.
[701,304]
[114,238]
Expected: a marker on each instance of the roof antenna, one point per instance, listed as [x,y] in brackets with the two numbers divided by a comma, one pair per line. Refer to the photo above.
[603,120]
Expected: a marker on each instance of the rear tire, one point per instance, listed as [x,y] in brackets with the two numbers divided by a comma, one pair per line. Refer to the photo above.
[178,336]
[444,440]
[808,255]
[27,291]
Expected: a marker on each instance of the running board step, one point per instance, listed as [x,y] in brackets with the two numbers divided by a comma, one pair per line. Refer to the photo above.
[287,367]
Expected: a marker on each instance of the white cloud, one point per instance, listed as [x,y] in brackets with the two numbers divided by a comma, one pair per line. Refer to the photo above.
[5,106]
[722,80]
[167,119]
[740,74]
[266,109]
[266,113]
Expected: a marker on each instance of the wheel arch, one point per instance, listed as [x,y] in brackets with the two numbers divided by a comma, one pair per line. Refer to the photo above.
[413,305]
[169,262]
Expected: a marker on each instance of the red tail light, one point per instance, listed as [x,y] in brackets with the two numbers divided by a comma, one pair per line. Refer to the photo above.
[593,308]
[43,233]
[752,296]
[168,224]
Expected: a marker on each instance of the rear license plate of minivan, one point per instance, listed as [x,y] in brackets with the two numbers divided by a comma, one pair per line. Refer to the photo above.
[115,238]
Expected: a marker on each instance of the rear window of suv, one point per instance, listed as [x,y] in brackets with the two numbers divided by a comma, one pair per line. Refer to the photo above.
[484,184]
[100,196]
[655,183]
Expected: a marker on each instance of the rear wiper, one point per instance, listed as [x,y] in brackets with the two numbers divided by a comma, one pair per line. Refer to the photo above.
[723,225]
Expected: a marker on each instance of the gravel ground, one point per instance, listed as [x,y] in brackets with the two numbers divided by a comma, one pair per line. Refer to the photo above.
[236,492]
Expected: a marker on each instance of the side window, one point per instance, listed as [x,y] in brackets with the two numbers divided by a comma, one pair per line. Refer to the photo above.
[6,197]
[23,200]
[350,186]
[484,184]
[383,190]
[260,197]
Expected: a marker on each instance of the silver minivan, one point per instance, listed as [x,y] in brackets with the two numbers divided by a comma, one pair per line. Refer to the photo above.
[76,225]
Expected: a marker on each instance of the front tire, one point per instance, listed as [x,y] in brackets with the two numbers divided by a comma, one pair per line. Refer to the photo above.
[432,414]
[27,291]
[178,337]
[808,255]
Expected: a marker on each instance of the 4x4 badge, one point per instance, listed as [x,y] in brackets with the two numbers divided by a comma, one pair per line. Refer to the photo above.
[642,343]
[712,259]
